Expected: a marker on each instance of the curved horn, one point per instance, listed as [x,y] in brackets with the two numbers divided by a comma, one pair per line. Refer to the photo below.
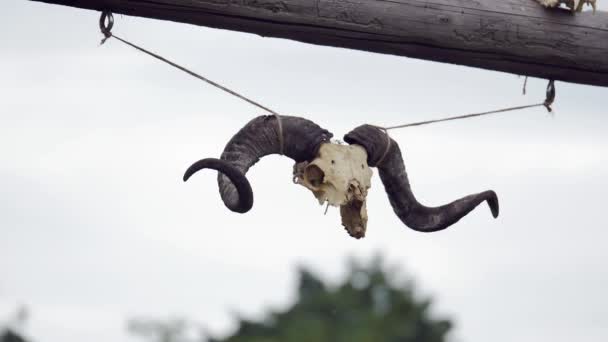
[259,138]
[394,177]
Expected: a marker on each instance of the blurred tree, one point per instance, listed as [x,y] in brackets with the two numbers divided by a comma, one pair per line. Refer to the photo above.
[370,305]
[366,307]
[10,336]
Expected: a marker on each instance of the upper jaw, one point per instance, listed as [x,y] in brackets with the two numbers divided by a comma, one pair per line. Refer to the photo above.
[354,215]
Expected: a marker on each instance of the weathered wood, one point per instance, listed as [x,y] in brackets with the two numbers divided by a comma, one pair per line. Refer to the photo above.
[515,36]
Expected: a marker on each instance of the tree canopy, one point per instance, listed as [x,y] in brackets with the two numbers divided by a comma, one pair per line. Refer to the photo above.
[366,307]
[10,336]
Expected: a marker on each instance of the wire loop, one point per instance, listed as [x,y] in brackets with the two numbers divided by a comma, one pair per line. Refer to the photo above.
[550,95]
[280,133]
[106,28]
[388,147]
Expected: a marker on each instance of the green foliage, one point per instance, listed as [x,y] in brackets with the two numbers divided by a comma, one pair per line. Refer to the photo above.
[14,325]
[366,307]
[10,336]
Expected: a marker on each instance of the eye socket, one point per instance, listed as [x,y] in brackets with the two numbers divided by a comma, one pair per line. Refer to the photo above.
[333,161]
[314,175]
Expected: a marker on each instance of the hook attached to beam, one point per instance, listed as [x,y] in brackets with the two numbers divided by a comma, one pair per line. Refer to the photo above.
[550,97]
[106,22]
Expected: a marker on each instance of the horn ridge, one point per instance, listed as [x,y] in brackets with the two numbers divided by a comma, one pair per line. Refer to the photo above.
[259,138]
[242,200]
[396,183]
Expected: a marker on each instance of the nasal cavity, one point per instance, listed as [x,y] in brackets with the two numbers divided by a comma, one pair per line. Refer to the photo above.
[314,175]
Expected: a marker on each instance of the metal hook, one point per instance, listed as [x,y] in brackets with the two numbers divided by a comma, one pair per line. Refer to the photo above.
[106,28]
[550,95]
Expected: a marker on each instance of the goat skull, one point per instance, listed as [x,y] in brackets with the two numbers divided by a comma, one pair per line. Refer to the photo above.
[342,183]
[340,176]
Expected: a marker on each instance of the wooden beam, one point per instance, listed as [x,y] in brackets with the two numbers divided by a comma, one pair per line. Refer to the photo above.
[514,36]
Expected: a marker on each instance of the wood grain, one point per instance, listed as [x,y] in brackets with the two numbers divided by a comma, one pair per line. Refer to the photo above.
[515,36]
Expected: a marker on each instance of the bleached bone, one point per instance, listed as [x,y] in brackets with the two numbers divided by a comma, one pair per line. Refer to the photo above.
[339,176]
[573,5]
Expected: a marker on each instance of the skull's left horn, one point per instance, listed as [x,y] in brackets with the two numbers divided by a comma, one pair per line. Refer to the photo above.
[392,173]
[260,137]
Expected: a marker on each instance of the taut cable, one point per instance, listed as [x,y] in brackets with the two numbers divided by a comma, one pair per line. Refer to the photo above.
[106,29]
[550,97]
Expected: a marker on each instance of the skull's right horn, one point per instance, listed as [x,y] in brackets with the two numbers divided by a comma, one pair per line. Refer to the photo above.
[260,137]
[392,173]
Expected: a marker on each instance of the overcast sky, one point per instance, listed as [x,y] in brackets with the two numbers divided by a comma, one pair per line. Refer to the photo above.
[97,226]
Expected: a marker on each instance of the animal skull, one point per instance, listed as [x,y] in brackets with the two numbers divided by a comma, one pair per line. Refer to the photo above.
[339,176]
[573,5]
[336,174]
